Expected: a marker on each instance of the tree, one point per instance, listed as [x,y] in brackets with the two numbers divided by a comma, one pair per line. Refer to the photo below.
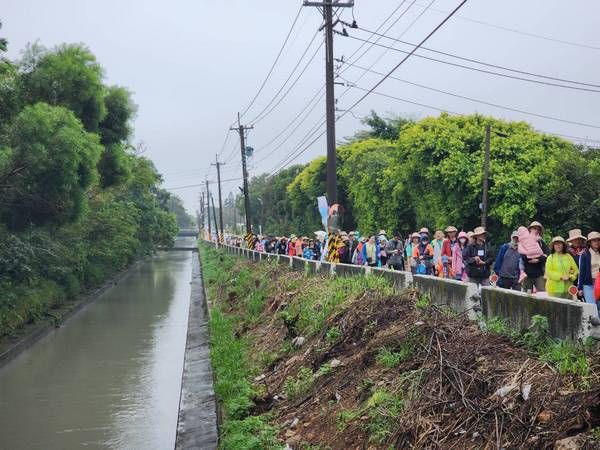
[175,206]
[114,166]
[68,76]
[115,128]
[46,171]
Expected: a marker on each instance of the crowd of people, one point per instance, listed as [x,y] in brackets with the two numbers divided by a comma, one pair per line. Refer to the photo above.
[566,268]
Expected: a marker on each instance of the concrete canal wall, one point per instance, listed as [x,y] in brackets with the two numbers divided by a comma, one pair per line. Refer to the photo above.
[197,422]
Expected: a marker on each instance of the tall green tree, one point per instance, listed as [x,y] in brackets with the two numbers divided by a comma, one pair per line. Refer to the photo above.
[68,76]
[46,171]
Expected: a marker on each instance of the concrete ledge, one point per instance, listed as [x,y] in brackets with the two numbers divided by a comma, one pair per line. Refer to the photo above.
[348,270]
[197,420]
[325,268]
[399,279]
[457,295]
[568,319]
[284,259]
[311,266]
[298,264]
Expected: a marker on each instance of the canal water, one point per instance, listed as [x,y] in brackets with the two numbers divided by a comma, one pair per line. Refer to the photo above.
[110,377]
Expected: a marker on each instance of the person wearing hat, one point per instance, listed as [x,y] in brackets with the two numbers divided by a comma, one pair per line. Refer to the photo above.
[507,264]
[534,267]
[423,256]
[561,270]
[589,266]
[351,245]
[395,252]
[576,244]
[479,258]
[447,247]
[458,265]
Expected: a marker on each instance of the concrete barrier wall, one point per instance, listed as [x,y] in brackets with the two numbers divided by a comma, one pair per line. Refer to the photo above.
[568,319]
[460,297]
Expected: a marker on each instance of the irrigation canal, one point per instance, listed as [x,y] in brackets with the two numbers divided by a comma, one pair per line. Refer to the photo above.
[111,376]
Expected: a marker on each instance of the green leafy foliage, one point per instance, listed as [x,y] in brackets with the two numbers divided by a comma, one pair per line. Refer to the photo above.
[48,169]
[295,387]
[69,76]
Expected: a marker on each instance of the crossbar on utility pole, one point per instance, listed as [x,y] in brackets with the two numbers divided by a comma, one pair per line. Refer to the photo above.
[219,164]
[241,129]
[328,6]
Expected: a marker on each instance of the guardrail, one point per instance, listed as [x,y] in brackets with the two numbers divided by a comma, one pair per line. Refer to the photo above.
[567,319]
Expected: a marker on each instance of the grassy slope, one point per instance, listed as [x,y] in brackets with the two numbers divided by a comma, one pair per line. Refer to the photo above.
[378,368]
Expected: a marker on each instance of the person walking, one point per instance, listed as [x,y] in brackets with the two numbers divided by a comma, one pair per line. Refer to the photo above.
[576,244]
[478,258]
[507,264]
[561,270]
[534,267]
[437,243]
[447,250]
[395,252]
[458,265]
[423,256]
[370,252]
[589,266]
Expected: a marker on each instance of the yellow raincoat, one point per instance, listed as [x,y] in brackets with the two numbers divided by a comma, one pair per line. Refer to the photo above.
[557,266]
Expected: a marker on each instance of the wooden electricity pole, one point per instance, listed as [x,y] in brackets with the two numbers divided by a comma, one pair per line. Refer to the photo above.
[219,164]
[241,129]
[486,177]
[327,6]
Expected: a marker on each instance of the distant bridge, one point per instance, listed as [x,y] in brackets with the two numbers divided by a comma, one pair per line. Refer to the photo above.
[187,239]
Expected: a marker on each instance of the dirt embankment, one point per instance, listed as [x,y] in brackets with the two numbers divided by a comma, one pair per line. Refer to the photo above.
[386,370]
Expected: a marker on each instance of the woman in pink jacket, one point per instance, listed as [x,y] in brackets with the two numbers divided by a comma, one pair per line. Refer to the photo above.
[458,265]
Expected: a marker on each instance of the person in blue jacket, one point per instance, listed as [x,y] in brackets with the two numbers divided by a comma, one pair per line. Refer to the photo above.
[507,264]
[371,253]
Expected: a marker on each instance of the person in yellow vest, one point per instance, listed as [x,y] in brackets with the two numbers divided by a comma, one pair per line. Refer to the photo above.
[561,270]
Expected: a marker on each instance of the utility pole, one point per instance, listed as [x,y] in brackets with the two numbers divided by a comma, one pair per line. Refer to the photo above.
[212,199]
[327,6]
[219,164]
[241,129]
[486,176]
[208,209]
[201,221]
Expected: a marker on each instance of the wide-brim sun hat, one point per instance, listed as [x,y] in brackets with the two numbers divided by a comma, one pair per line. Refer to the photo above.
[381,232]
[415,235]
[535,223]
[557,239]
[574,235]
[424,230]
[479,231]
[593,235]
[451,229]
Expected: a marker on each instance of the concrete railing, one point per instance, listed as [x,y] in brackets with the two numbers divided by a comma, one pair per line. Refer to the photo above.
[568,319]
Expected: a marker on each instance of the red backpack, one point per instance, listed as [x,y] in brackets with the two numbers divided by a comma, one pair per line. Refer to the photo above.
[597,288]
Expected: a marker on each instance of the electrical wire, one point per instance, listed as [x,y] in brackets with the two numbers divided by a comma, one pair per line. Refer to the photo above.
[286,93]
[483,63]
[262,86]
[201,184]
[483,102]
[521,32]
[476,69]
[403,60]
[287,80]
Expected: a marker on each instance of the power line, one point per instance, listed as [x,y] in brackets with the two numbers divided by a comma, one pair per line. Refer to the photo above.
[258,119]
[202,184]
[483,63]
[288,78]
[476,69]
[513,30]
[262,86]
[483,102]
[425,39]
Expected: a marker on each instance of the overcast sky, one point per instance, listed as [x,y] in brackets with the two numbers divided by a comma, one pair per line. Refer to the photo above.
[193,64]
